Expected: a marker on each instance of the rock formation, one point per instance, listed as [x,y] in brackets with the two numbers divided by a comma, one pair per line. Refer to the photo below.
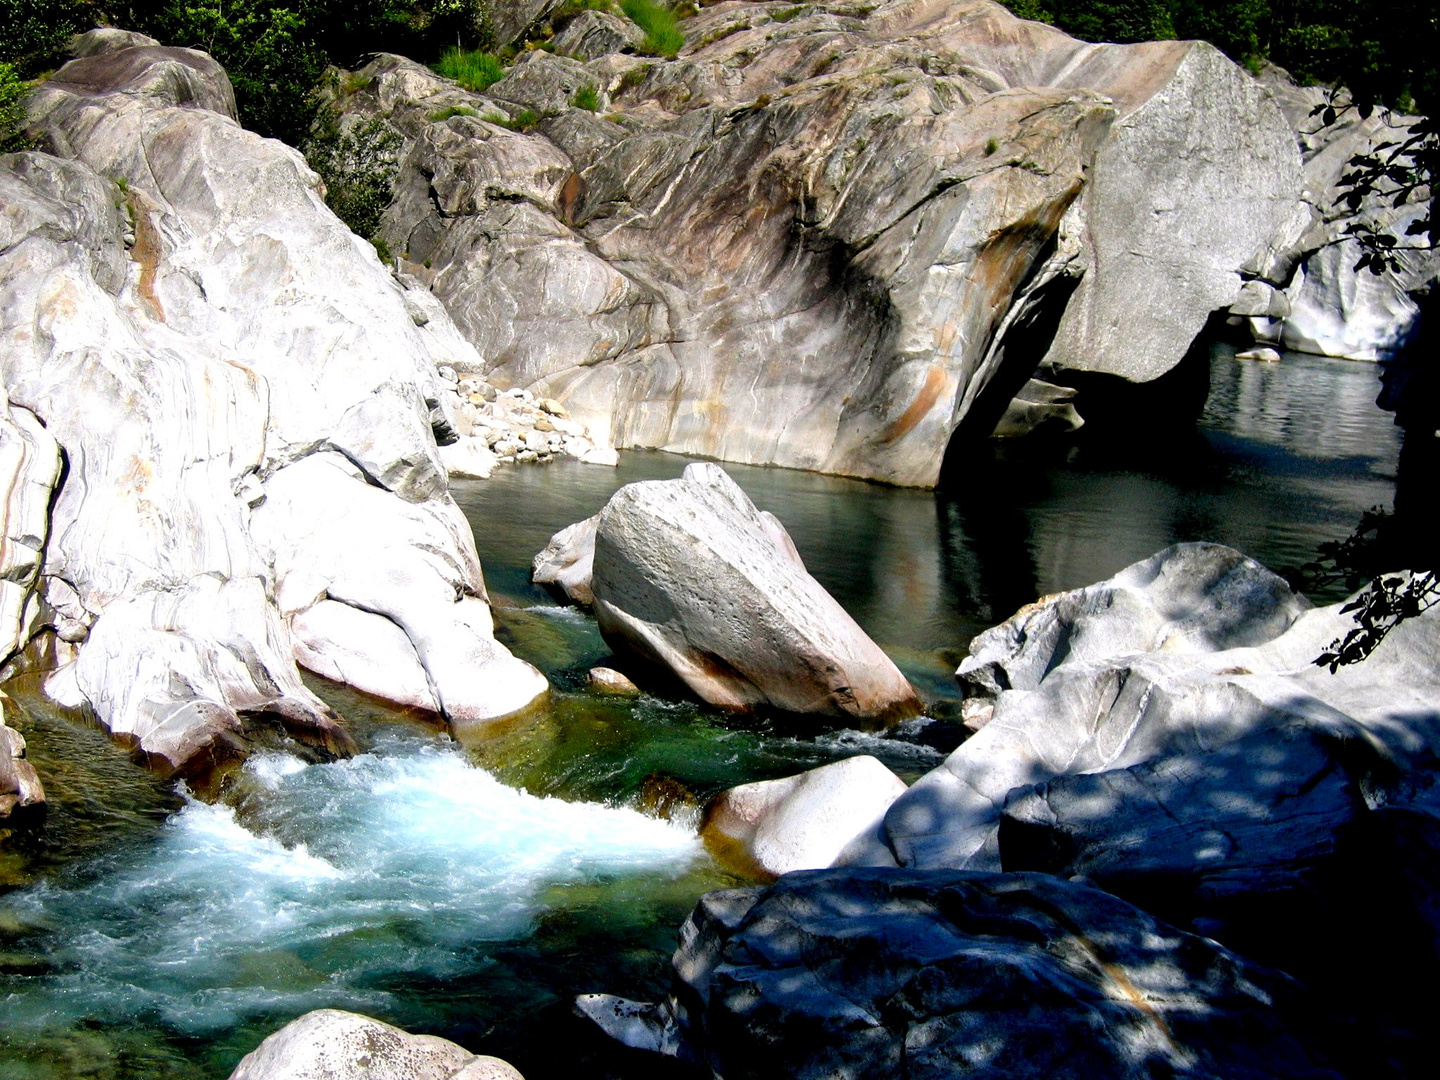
[20,787]
[688,576]
[803,822]
[819,236]
[220,430]
[1311,298]
[329,1044]
[947,974]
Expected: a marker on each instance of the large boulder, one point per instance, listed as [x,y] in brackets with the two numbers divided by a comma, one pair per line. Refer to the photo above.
[688,576]
[329,1044]
[197,335]
[819,236]
[1168,736]
[801,822]
[945,974]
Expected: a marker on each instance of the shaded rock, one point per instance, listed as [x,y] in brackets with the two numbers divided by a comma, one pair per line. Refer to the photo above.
[1039,406]
[802,241]
[566,563]
[609,681]
[949,973]
[689,576]
[800,822]
[189,322]
[329,1044]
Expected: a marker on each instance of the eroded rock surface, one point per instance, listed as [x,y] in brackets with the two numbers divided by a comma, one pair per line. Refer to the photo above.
[20,787]
[194,331]
[329,1044]
[688,576]
[953,974]
[816,237]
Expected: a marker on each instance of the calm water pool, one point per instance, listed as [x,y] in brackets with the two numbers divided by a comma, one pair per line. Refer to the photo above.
[471,890]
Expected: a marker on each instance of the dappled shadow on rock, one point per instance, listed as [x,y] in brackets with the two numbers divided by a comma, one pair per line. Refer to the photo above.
[889,973]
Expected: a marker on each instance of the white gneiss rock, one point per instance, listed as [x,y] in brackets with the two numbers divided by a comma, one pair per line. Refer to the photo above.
[803,822]
[689,575]
[329,1044]
[197,332]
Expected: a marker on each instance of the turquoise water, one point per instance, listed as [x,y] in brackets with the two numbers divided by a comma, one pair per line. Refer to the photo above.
[471,890]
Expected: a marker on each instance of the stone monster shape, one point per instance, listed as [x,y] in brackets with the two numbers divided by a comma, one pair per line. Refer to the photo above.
[212,361]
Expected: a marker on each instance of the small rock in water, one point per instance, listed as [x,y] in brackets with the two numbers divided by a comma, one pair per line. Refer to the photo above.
[1264,353]
[609,681]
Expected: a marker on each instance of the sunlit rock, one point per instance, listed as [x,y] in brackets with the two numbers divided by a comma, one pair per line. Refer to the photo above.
[329,1044]
[816,237]
[942,974]
[688,576]
[187,322]
[800,822]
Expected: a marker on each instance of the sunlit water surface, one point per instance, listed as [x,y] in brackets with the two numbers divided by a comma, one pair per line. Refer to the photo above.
[470,891]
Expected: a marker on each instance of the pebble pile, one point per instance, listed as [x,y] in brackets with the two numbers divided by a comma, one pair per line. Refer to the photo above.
[503,426]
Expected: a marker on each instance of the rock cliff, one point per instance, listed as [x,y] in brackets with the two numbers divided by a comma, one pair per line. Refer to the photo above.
[820,236]
[219,429]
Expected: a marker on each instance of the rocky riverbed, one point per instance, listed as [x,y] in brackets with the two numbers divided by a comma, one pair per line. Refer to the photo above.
[849,238]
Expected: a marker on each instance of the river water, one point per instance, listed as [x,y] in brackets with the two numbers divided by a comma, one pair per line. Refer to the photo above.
[470,890]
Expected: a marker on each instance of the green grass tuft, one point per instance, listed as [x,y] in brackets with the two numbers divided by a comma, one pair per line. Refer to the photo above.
[524,120]
[663,36]
[587,98]
[453,110]
[476,71]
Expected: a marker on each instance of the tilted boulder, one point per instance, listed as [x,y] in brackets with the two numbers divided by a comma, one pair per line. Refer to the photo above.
[801,822]
[818,236]
[690,577]
[189,324]
[942,974]
[329,1044]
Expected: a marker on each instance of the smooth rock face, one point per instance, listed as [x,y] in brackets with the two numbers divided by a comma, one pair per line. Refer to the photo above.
[20,787]
[329,1044]
[953,974]
[1167,735]
[609,681]
[1317,301]
[196,331]
[801,822]
[689,576]
[566,564]
[807,240]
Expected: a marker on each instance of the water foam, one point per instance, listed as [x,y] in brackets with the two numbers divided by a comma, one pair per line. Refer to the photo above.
[324,882]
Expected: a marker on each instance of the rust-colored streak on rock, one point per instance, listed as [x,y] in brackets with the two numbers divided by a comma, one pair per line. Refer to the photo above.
[570,198]
[146,252]
[923,403]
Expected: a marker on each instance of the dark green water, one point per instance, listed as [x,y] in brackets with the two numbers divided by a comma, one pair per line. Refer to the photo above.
[144,933]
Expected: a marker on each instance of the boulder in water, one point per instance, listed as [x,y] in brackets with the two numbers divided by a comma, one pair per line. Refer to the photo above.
[941,974]
[800,822]
[329,1044]
[690,577]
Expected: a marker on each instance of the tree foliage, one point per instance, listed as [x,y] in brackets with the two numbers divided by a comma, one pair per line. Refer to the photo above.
[357,165]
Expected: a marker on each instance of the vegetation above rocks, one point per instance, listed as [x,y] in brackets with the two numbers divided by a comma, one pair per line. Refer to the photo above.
[663,36]
[472,69]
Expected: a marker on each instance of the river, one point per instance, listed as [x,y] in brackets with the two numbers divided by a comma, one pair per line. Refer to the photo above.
[470,890]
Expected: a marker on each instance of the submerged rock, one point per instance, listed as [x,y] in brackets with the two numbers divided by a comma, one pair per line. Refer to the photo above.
[329,1044]
[800,822]
[195,331]
[817,236]
[952,974]
[688,576]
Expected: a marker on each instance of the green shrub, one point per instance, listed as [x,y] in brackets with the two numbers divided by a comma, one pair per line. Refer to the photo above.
[357,166]
[453,110]
[474,70]
[663,36]
[13,91]
[587,98]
